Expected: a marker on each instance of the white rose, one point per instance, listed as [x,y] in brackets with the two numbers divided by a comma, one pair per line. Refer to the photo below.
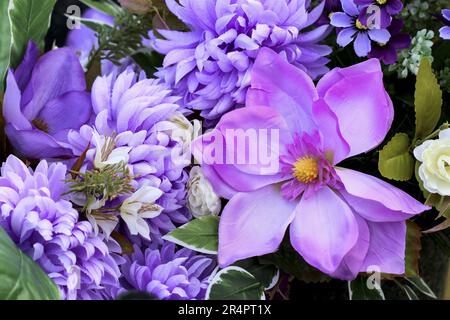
[201,198]
[435,168]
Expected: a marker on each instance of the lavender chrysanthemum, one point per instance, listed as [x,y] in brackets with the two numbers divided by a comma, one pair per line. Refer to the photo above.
[210,65]
[168,274]
[47,228]
[127,110]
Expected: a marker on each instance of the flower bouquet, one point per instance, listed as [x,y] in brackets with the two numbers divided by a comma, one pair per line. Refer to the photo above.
[224,149]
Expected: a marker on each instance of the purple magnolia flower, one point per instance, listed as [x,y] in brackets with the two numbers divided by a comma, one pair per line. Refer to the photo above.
[341,221]
[127,110]
[445,31]
[45,226]
[84,40]
[354,29]
[210,65]
[387,52]
[44,99]
[168,274]
[388,8]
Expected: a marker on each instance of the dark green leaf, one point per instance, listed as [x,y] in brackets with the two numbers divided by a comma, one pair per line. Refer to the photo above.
[5,41]
[234,283]
[395,161]
[200,235]
[421,286]
[21,278]
[266,274]
[413,247]
[105,6]
[30,20]
[289,261]
[428,100]
[363,289]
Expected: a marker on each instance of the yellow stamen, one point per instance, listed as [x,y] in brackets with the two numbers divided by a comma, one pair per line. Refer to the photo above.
[305,169]
[359,25]
[381,1]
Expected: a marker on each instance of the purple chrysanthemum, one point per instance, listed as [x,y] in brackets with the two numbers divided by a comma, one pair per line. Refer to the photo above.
[168,274]
[47,228]
[445,31]
[128,109]
[387,52]
[210,65]
[354,29]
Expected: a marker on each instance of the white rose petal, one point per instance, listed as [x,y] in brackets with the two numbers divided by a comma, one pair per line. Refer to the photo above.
[201,198]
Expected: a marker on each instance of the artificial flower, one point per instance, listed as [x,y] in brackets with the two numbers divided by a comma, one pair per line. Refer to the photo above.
[387,52]
[445,31]
[434,158]
[342,221]
[139,206]
[127,108]
[167,274]
[210,65]
[387,9]
[201,198]
[43,223]
[354,29]
[45,98]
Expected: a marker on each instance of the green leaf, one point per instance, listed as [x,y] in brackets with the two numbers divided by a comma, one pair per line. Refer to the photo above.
[21,278]
[200,235]
[29,20]
[5,41]
[359,290]
[428,100]
[413,247]
[421,286]
[105,6]
[234,283]
[289,261]
[266,274]
[395,161]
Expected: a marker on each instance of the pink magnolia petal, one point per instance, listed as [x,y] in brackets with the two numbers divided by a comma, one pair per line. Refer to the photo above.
[387,248]
[291,95]
[353,261]
[249,227]
[358,98]
[331,135]
[364,186]
[324,230]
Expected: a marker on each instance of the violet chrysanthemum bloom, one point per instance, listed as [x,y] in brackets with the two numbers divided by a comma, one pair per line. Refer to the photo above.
[387,9]
[168,274]
[127,109]
[341,221]
[387,52]
[445,31]
[45,97]
[354,29]
[210,65]
[45,226]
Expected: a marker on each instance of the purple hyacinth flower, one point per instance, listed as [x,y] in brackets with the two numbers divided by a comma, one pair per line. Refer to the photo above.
[130,108]
[45,98]
[354,29]
[342,221]
[445,31]
[387,9]
[387,52]
[210,65]
[168,274]
[40,220]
